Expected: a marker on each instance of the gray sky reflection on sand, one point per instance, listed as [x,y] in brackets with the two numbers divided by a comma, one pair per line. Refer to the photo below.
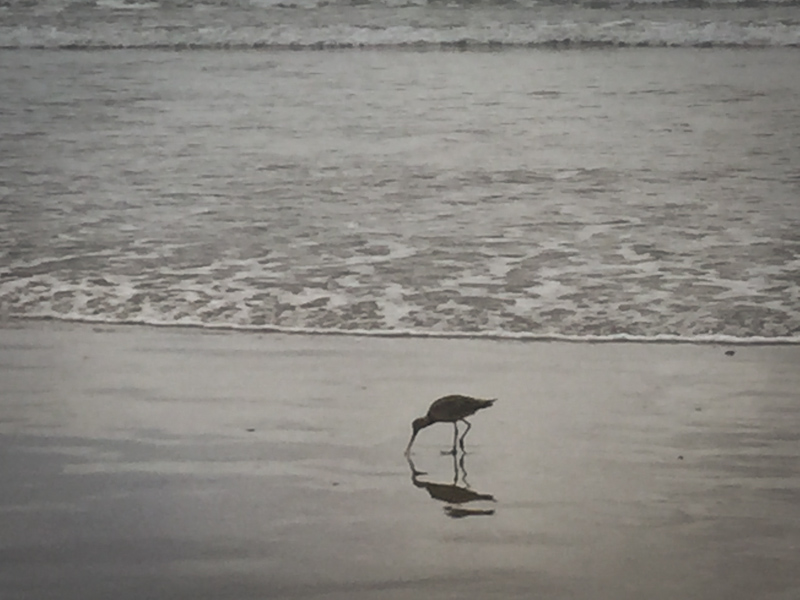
[272,466]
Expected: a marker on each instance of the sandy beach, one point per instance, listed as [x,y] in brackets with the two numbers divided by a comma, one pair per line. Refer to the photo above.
[177,463]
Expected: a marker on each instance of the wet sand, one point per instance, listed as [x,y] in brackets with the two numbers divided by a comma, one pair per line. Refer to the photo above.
[173,463]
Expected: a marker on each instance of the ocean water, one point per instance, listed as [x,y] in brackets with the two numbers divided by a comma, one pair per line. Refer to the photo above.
[582,170]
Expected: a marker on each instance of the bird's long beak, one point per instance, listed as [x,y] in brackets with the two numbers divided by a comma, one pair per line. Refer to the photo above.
[411,441]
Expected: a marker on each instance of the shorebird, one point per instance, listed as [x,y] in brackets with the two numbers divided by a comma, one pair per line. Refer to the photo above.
[449,409]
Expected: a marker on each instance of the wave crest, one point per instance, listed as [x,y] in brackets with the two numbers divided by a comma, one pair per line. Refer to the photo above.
[488,35]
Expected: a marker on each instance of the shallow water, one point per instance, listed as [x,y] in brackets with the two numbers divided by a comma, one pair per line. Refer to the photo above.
[146,462]
[591,193]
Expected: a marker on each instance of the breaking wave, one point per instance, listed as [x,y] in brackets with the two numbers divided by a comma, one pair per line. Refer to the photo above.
[296,28]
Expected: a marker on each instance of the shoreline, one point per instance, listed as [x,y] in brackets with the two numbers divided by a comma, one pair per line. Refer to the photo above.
[524,338]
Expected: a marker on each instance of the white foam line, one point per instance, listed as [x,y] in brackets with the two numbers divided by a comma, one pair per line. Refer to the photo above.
[411,333]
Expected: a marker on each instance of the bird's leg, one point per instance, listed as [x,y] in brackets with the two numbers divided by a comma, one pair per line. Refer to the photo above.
[469,426]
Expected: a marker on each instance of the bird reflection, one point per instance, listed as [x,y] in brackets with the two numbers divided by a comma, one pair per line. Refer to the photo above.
[453,493]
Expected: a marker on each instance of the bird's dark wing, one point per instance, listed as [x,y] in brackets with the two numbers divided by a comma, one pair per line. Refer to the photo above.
[455,407]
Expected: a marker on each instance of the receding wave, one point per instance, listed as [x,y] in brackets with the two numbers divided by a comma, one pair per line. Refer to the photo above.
[411,333]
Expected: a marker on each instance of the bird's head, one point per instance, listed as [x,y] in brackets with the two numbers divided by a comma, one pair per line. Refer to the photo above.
[418,424]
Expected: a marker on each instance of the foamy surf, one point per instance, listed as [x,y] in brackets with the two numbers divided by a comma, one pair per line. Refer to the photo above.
[525,195]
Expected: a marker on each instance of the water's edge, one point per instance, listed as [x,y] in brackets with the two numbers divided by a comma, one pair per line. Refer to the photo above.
[711,339]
